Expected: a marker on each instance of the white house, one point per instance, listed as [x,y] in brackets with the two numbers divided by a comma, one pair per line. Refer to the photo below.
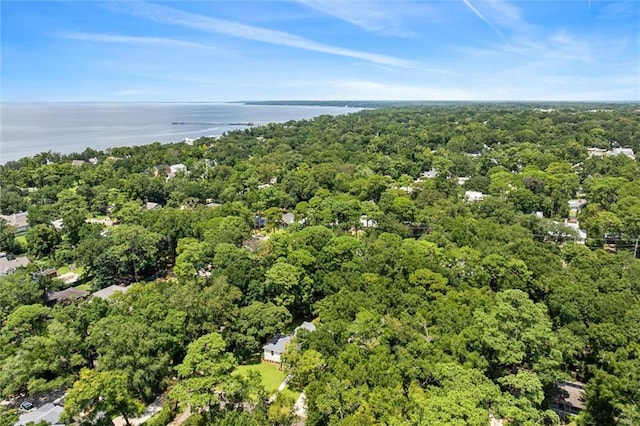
[599,152]
[366,222]
[275,347]
[622,151]
[429,174]
[575,225]
[175,169]
[288,218]
[473,196]
[577,204]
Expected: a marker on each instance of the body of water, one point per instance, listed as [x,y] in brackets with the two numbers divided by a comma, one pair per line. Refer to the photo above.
[28,129]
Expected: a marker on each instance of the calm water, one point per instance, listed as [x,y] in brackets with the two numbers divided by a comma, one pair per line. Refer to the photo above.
[28,129]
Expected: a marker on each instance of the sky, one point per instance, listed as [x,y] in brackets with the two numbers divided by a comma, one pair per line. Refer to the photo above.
[231,50]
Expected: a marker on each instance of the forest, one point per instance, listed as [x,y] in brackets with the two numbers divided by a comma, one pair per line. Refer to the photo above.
[457,261]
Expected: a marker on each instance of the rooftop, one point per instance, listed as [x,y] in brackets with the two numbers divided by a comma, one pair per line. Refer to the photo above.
[69,294]
[17,219]
[107,292]
[8,266]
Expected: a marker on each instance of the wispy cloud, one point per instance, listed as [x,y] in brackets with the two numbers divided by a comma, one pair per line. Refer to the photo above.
[482,17]
[126,39]
[371,15]
[167,15]
[560,45]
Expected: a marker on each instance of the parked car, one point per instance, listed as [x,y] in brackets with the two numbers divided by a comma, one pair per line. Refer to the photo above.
[26,406]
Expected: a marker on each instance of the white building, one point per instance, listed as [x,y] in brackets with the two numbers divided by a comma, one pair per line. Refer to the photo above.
[471,196]
[275,347]
[175,169]
[599,152]
[429,174]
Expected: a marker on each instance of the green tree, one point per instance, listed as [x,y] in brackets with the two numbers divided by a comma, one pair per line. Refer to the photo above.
[205,376]
[100,392]
[7,237]
[42,240]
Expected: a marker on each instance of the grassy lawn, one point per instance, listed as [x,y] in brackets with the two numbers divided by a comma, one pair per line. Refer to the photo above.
[22,240]
[64,269]
[271,376]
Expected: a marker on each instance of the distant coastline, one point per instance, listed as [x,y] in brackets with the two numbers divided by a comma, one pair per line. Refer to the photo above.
[27,129]
[365,104]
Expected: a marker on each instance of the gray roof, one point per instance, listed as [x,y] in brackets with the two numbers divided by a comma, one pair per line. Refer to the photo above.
[288,218]
[570,393]
[305,325]
[277,344]
[17,219]
[72,293]
[49,413]
[9,266]
[577,203]
[107,292]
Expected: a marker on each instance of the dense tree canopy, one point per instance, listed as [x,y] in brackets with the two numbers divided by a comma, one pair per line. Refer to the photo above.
[431,308]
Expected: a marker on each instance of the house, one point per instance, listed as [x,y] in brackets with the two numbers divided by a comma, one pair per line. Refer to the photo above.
[152,206]
[567,398]
[621,151]
[463,180]
[8,266]
[19,221]
[174,169]
[58,224]
[47,273]
[107,292]
[598,152]
[558,231]
[66,296]
[288,218]
[471,196]
[429,174]
[275,347]
[575,225]
[366,222]
[77,163]
[577,204]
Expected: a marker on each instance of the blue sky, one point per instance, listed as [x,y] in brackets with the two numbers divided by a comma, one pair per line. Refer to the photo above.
[320,49]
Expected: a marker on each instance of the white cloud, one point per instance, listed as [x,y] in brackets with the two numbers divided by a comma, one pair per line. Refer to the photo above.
[167,15]
[114,38]
[371,15]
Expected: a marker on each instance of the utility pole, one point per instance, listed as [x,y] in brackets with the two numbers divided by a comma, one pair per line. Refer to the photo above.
[635,250]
